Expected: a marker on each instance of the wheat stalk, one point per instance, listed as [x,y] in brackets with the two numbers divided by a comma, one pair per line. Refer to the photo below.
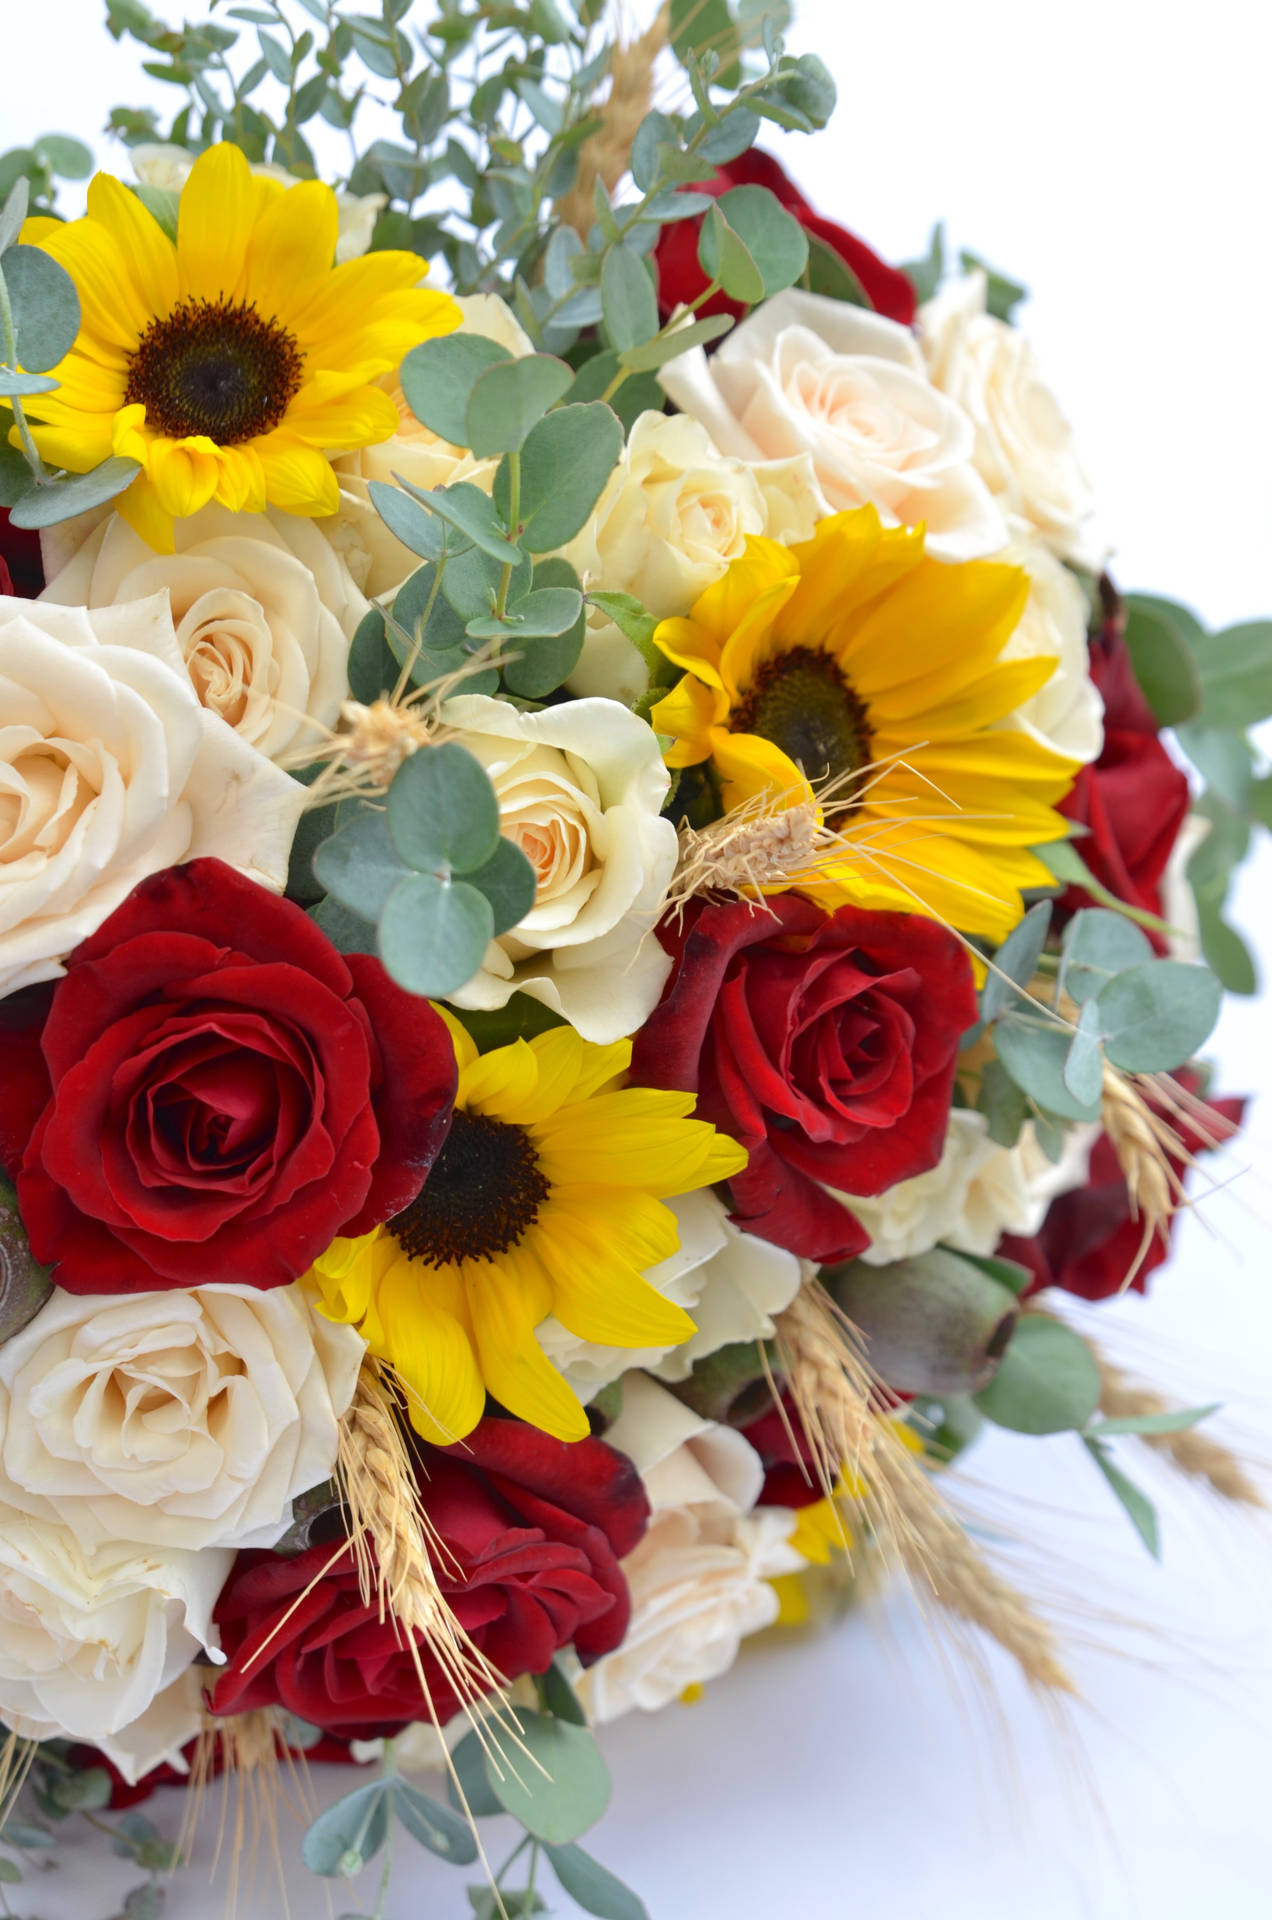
[606,155]
[1192,1452]
[838,1403]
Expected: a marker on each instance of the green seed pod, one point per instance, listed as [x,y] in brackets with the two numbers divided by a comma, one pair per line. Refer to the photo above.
[728,1385]
[934,1324]
[24,1283]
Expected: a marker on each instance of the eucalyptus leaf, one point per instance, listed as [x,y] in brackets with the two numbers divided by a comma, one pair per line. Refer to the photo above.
[628,299]
[469,1769]
[438,378]
[775,242]
[593,1887]
[442,812]
[1065,862]
[1047,1381]
[1098,944]
[510,397]
[433,933]
[433,1825]
[347,931]
[65,156]
[47,505]
[566,460]
[508,882]
[1017,958]
[677,340]
[22,385]
[1155,1016]
[1142,1513]
[725,256]
[356,1825]
[1177,1421]
[46,307]
[1003,1104]
[428,616]
[360,864]
[1163,661]
[1084,1062]
[471,511]
[1034,1053]
[558,1696]
[372,668]
[14,211]
[413,524]
[1236,674]
[561,1786]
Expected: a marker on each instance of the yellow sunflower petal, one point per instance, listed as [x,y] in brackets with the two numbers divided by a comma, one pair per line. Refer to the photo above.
[748,764]
[330,418]
[515,1367]
[298,478]
[498,1082]
[291,249]
[433,1354]
[184,473]
[139,506]
[220,205]
[687,714]
[766,569]
[600,1296]
[149,255]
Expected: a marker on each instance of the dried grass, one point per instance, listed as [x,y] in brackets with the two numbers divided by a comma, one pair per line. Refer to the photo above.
[839,1406]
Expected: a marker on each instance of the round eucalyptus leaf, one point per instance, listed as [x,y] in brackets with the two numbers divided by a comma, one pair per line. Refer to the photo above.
[725,256]
[433,933]
[438,378]
[628,299]
[427,616]
[46,307]
[774,239]
[508,882]
[442,811]
[356,1824]
[423,532]
[566,460]
[1155,1016]
[1047,1381]
[565,1793]
[372,669]
[433,1825]
[48,506]
[1097,944]
[68,158]
[1034,1054]
[360,864]
[508,398]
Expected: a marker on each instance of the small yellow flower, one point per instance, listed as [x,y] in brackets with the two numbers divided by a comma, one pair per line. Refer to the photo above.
[855,660]
[545,1199]
[233,362]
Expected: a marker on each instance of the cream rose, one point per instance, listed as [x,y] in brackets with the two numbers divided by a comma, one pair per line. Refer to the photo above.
[88,1640]
[804,374]
[732,1283]
[178,1419]
[579,788]
[376,558]
[157,1737]
[977,1192]
[1024,448]
[1067,713]
[699,1580]
[156,164]
[109,771]
[264,610]
[674,514]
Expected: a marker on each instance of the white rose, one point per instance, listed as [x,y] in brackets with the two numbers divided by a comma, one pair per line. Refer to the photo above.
[376,558]
[156,164]
[87,1641]
[674,514]
[156,1738]
[579,788]
[1179,902]
[804,374]
[732,1283]
[110,770]
[179,1419]
[1066,714]
[264,610]
[699,1580]
[977,1192]
[1024,445]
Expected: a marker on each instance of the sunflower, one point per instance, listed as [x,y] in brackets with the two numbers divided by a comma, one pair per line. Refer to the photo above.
[855,668]
[231,362]
[545,1199]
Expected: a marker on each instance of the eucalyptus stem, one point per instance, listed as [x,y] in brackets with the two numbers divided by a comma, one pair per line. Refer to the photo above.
[668,326]
[9,335]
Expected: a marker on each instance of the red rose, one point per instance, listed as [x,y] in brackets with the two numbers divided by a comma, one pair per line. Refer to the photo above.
[532,1530]
[1090,1240]
[824,1043]
[681,279]
[214,1093]
[21,565]
[1133,798]
[790,1465]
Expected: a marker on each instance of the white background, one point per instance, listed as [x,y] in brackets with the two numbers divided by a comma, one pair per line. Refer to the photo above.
[1115,158]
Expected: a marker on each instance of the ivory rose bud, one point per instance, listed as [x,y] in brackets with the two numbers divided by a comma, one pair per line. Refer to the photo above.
[976,1193]
[805,374]
[177,1419]
[580,787]
[264,611]
[732,1284]
[700,1578]
[156,164]
[375,557]
[1066,714]
[109,771]
[1024,448]
[88,1640]
[674,514]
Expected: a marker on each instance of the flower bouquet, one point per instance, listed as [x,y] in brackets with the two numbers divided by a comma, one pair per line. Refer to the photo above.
[596,924]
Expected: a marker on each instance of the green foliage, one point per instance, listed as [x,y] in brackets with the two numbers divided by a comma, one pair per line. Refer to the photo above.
[561,1786]
[592,1886]
[1047,1381]
[1002,295]
[1164,658]
[1139,1508]
[1016,961]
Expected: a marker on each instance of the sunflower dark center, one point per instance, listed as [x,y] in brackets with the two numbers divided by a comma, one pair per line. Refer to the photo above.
[801,702]
[214,367]
[482,1196]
